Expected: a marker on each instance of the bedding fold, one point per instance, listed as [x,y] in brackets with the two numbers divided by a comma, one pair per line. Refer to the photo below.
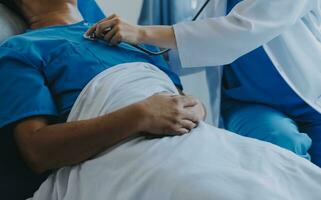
[208,164]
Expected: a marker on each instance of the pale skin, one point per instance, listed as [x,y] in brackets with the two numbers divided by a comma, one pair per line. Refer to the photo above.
[47,145]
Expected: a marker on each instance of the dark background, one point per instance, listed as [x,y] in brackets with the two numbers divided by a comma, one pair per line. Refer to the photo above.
[17,181]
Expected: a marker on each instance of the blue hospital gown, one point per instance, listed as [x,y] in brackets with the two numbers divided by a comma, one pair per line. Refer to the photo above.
[43,71]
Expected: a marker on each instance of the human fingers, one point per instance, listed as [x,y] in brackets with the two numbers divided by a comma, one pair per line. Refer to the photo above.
[189,101]
[116,39]
[179,131]
[109,35]
[100,29]
[103,27]
[108,18]
[182,131]
[181,127]
[190,114]
[92,30]
[187,124]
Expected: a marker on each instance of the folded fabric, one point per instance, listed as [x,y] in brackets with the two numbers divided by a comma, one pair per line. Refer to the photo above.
[209,163]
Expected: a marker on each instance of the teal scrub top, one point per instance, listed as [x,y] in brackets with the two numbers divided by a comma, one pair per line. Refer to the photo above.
[43,71]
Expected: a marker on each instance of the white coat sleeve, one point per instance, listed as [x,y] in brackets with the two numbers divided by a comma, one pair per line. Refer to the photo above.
[252,23]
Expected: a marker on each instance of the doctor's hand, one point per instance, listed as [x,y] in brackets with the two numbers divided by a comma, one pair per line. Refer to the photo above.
[113,30]
[168,115]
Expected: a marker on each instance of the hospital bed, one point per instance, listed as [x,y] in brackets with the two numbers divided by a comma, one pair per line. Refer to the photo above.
[14,175]
[198,82]
[17,182]
[15,178]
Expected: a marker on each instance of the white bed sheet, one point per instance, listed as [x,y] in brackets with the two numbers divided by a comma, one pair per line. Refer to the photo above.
[209,163]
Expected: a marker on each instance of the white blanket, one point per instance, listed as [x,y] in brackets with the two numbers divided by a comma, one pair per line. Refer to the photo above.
[207,164]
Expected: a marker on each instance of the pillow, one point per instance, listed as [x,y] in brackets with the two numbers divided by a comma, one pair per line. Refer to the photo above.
[10,23]
[16,180]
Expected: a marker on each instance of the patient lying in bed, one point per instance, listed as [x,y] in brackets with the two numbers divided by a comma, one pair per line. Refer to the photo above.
[45,70]
[207,164]
[49,67]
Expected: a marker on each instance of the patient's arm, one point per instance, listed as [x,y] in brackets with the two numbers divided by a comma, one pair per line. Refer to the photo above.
[46,146]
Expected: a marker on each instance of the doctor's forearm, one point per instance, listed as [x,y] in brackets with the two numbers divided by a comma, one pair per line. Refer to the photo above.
[251,24]
[161,36]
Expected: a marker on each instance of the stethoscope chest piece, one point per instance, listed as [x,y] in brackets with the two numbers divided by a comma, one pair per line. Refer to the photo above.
[89,37]
[94,36]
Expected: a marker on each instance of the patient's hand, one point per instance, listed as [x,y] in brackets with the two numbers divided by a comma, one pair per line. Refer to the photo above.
[199,110]
[165,114]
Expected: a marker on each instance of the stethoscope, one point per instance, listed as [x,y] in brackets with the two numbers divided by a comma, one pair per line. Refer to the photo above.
[152,53]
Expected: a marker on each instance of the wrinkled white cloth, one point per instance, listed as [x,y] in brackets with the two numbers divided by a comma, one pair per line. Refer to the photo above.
[207,164]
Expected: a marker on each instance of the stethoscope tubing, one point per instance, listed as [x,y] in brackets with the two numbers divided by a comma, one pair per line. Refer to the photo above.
[151,53]
[144,50]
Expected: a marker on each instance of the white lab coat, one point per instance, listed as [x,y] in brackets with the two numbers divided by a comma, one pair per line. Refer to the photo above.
[289,30]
